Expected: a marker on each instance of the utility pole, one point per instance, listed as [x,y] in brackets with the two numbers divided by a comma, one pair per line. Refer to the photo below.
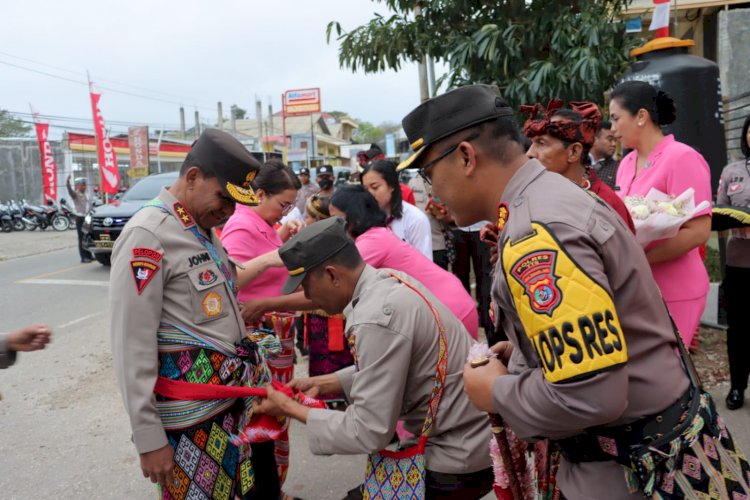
[270,118]
[424,91]
[232,119]
[182,123]
[259,116]
[431,75]
[197,124]
[220,120]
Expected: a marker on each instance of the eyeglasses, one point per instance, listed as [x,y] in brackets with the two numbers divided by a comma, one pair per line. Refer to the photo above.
[285,207]
[424,171]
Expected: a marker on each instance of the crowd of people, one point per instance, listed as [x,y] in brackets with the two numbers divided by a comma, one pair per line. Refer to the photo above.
[586,326]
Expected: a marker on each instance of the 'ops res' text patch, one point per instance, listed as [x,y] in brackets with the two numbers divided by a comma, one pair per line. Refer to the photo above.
[568,317]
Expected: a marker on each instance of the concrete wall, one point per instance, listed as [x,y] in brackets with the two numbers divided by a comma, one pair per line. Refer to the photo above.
[21,170]
[734,67]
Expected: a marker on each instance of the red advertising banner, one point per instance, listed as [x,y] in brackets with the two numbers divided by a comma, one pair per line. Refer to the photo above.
[49,168]
[107,157]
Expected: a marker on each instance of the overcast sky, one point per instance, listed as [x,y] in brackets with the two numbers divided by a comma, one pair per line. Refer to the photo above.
[191,52]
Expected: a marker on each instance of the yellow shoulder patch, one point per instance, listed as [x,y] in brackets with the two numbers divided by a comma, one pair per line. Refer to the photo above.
[569,318]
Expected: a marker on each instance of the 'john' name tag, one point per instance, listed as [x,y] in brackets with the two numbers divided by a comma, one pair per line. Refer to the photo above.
[569,318]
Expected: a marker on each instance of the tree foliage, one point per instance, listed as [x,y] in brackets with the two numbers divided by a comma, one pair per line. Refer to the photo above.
[367,133]
[238,112]
[12,127]
[533,50]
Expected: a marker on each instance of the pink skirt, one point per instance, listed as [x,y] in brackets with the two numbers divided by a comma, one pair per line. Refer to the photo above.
[687,316]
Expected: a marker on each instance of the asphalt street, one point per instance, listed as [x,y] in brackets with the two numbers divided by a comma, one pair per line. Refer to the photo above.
[64,433]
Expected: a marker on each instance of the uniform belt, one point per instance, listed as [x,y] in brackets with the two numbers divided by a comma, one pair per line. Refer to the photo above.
[599,444]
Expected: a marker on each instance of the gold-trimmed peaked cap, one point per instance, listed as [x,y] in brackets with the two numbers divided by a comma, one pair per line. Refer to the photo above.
[232,164]
[449,113]
[311,247]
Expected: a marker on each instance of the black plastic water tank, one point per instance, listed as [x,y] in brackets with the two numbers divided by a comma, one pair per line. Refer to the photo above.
[693,82]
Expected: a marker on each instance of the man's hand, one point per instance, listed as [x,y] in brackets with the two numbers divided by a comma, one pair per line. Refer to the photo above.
[29,338]
[276,403]
[503,350]
[253,310]
[305,385]
[478,383]
[158,465]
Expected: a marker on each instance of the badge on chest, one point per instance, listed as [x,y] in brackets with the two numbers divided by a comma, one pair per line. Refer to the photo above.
[568,317]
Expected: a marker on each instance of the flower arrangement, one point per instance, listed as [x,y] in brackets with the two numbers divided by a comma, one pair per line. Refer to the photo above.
[659,216]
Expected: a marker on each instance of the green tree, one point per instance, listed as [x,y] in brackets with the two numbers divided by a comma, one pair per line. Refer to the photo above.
[533,50]
[367,133]
[12,127]
[238,112]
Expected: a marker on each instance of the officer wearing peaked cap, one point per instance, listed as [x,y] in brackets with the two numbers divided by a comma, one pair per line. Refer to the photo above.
[592,349]
[174,314]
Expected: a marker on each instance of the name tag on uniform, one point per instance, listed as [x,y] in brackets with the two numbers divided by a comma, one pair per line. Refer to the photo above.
[568,317]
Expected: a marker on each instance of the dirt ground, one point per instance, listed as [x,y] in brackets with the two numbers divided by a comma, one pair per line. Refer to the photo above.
[711,359]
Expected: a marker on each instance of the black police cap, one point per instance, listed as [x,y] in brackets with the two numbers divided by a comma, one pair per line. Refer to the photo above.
[232,164]
[311,247]
[446,114]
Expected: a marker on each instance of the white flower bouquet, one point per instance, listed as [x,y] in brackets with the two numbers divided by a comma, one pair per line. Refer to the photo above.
[659,216]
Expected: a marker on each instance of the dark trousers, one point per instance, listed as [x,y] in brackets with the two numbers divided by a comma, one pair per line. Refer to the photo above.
[471,252]
[468,486]
[79,231]
[738,333]
[440,257]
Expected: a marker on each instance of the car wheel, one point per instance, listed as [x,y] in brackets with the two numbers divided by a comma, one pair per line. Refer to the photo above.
[103,259]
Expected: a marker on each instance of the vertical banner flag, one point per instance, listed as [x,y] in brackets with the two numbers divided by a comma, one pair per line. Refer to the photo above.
[660,18]
[138,143]
[107,157]
[49,167]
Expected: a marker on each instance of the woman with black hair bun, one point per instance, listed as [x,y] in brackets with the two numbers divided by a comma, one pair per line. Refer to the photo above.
[637,111]
[406,221]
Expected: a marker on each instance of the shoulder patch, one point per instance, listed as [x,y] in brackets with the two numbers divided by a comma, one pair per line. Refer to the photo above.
[147,253]
[182,214]
[568,317]
[143,273]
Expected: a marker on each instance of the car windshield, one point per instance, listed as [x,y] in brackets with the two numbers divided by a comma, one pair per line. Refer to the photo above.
[148,188]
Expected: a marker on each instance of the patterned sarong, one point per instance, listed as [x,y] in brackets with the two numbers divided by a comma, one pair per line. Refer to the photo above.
[325,357]
[207,464]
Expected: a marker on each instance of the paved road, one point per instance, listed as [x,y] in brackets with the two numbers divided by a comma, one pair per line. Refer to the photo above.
[64,432]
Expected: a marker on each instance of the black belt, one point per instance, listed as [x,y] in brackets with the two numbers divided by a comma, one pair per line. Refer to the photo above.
[599,444]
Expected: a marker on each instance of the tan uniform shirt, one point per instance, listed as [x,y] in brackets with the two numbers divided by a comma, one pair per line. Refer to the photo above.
[421,198]
[734,189]
[573,284]
[395,341]
[159,274]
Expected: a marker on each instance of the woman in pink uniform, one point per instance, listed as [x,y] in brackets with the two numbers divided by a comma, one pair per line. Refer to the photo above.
[637,111]
[380,248]
[250,233]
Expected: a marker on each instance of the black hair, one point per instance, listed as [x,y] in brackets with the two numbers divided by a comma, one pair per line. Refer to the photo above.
[274,177]
[361,209]
[387,170]
[191,161]
[320,206]
[574,117]
[500,139]
[604,125]
[743,138]
[634,95]
[348,258]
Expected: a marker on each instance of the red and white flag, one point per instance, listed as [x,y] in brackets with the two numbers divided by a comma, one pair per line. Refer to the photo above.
[49,167]
[107,157]
[660,18]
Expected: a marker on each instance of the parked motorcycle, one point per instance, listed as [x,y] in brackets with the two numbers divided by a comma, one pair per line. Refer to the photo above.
[43,217]
[6,220]
[67,212]
[17,216]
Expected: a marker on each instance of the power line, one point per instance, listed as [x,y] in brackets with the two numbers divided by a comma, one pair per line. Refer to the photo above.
[76,119]
[52,75]
[190,99]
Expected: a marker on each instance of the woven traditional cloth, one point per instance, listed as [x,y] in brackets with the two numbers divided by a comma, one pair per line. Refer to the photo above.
[402,474]
[207,464]
[324,359]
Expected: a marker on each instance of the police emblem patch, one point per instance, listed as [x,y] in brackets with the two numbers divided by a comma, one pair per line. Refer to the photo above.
[207,277]
[182,214]
[502,216]
[211,304]
[143,273]
[147,253]
[535,272]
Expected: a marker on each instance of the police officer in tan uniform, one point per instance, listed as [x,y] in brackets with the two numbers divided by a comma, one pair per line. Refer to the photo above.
[394,340]
[171,280]
[591,343]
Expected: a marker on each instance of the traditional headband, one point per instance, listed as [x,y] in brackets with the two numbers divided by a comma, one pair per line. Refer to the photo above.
[314,206]
[540,121]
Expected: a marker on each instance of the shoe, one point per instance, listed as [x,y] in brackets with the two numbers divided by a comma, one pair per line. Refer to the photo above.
[735,399]
[86,260]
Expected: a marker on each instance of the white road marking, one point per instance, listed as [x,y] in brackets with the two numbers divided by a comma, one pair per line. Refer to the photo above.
[34,281]
[79,320]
